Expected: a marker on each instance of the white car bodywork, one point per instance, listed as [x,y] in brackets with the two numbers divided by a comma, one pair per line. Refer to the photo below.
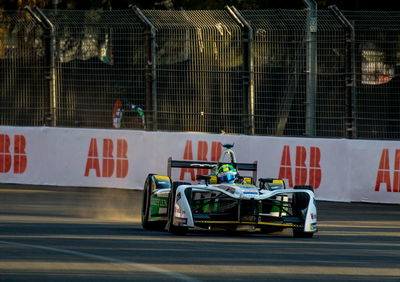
[182,215]
[269,207]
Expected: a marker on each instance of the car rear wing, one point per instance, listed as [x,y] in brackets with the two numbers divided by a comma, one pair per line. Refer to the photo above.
[209,165]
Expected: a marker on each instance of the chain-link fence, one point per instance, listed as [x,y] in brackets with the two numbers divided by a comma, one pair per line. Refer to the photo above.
[199,61]
[23,87]
[377,103]
[279,71]
[100,64]
[226,71]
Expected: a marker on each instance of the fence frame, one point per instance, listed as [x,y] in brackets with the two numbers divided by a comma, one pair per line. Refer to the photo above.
[151,68]
[305,114]
[248,68]
[51,46]
[312,29]
[351,127]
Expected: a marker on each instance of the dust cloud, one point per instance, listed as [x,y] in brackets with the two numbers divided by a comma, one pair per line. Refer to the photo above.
[104,204]
[111,204]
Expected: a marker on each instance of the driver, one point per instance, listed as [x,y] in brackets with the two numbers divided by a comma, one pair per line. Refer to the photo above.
[227,174]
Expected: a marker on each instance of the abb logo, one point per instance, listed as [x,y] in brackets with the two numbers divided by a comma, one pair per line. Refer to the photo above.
[109,162]
[16,157]
[202,152]
[384,172]
[312,172]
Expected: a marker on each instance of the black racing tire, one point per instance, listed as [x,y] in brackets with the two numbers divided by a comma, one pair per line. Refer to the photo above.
[146,224]
[177,230]
[300,202]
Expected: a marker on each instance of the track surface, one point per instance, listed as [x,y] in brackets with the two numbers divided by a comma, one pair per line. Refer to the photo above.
[87,234]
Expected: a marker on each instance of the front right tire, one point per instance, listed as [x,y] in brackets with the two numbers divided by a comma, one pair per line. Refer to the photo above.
[300,203]
[170,227]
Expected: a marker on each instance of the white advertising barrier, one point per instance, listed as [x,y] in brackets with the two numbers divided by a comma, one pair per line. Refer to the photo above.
[338,169]
[374,171]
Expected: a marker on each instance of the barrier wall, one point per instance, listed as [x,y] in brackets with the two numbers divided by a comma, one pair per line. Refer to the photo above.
[339,170]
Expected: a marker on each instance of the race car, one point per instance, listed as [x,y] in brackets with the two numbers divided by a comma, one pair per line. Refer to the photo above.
[226,200]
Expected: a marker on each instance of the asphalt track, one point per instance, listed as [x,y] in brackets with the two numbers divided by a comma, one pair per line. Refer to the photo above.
[88,234]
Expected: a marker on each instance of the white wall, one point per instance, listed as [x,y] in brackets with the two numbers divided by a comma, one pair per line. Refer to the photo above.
[339,169]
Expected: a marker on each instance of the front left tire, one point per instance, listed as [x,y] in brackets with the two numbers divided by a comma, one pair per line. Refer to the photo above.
[146,208]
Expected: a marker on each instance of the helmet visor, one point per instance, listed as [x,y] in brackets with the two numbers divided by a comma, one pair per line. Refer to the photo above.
[228,177]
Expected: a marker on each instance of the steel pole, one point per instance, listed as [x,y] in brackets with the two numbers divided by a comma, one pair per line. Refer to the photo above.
[311,67]
[49,27]
[248,69]
[151,88]
[351,127]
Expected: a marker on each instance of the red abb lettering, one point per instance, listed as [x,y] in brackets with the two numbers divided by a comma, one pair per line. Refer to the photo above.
[216,150]
[384,172]
[122,158]
[20,159]
[108,159]
[313,171]
[93,158]
[301,167]
[315,168]
[202,152]
[285,171]
[396,177]
[18,154]
[5,154]
[187,155]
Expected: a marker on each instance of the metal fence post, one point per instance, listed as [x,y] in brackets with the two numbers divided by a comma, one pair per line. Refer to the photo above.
[248,68]
[311,67]
[351,129]
[151,81]
[52,66]
[51,49]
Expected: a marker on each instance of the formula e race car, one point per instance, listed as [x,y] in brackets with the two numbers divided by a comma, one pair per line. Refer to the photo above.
[226,200]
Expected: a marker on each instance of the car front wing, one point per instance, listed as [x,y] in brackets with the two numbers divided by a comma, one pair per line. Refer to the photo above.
[269,209]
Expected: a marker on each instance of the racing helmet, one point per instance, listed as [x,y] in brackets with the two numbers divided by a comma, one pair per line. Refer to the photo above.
[227,173]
